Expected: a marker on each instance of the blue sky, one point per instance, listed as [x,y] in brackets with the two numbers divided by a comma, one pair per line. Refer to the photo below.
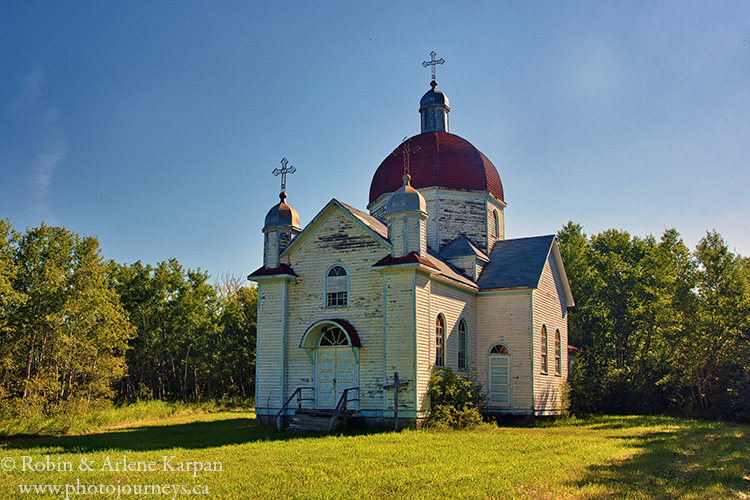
[155,126]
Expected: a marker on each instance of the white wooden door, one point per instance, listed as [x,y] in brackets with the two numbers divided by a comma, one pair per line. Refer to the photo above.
[499,380]
[336,371]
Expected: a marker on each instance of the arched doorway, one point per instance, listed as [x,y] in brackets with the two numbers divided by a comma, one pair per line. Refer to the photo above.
[498,375]
[333,346]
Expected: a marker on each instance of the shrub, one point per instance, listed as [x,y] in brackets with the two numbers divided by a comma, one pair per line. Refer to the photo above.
[454,401]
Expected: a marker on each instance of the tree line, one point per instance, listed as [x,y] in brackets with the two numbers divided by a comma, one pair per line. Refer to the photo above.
[75,326]
[659,328]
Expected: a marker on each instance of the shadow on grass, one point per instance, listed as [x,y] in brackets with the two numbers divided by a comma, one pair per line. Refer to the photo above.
[619,421]
[195,435]
[693,459]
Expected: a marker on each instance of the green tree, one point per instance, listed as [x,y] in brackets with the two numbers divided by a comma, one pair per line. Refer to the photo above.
[9,300]
[631,295]
[716,354]
[194,340]
[143,304]
[659,328]
[584,321]
[65,332]
[666,301]
[235,361]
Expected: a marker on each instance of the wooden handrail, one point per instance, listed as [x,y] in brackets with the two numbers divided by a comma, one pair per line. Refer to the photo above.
[297,392]
[341,406]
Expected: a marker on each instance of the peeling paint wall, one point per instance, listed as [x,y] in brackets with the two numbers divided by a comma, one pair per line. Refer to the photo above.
[338,240]
[550,310]
[506,318]
[455,213]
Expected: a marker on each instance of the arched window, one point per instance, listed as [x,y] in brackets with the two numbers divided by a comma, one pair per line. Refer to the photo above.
[333,336]
[545,365]
[440,341]
[496,223]
[558,359]
[499,349]
[337,287]
[462,345]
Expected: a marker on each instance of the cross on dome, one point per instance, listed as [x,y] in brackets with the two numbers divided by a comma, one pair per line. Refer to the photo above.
[407,151]
[283,171]
[433,62]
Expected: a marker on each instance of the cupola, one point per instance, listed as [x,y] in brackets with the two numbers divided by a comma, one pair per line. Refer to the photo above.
[281,227]
[406,212]
[434,109]
[282,216]
[406,199]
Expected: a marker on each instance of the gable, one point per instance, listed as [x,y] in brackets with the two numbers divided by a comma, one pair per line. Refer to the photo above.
[562,276]
[368,220]
[339,227]
[462,247]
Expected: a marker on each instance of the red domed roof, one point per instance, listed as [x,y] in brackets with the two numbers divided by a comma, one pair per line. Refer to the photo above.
[437,159]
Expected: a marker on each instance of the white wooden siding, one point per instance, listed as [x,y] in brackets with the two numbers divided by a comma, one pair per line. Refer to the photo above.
[408,234]
[454,304]
[550,310]
[399,337]
[505,317]
[451,214]
[268,348]
[338,239]
[424,338]
[491,239]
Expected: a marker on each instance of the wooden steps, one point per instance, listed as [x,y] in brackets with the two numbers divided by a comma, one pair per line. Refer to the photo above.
[318,420]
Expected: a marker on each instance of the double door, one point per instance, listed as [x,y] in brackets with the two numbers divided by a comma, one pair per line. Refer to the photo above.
[336,370]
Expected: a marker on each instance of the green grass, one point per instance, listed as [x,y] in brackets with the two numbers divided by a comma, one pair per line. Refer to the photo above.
[605,457]
[80,417]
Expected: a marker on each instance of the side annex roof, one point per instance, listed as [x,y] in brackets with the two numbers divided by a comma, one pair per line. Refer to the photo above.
[462,247]
[518,263]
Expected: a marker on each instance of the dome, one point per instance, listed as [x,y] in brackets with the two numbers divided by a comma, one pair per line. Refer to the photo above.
[282,215]
[406,199]
[437,159]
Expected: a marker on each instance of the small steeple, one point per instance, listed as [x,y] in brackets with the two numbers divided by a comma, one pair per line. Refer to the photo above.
[281,224]
[433,108]
[406,212]
[406,199]
[281,216]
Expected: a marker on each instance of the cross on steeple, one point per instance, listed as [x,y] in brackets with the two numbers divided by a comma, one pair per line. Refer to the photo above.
[407,152]
[433,62]
[283,171]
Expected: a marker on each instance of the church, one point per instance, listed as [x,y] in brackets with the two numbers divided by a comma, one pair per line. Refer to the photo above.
[357,305]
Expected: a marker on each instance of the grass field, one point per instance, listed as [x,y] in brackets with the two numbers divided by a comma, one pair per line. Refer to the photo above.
[224,455]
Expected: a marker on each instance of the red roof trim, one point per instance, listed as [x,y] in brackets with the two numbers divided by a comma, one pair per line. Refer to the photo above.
[263,271]
[350,330]
[410,258]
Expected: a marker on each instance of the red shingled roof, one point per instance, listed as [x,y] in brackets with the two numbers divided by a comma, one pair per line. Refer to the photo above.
[409,258]
[263,271]
[437,159]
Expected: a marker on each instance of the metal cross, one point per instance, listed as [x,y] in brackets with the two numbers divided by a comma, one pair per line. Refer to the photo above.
[407,152]
[397,385]
[433,62]
[283,171]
